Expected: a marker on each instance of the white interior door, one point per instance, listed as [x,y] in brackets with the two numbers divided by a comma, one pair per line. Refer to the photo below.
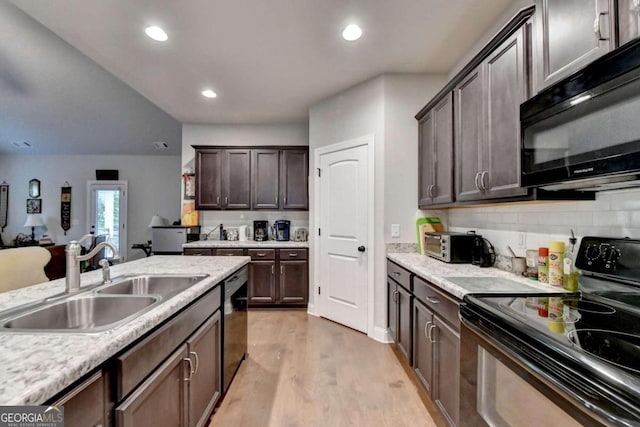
[107,213]
[344,224]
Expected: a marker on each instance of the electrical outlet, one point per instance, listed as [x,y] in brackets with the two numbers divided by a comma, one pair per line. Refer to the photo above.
[395,230]
[522,240]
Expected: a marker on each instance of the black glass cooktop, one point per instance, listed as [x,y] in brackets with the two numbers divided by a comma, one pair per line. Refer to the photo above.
[589,341]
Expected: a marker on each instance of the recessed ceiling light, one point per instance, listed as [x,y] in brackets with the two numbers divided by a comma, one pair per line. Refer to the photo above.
[209,93]
[352,32]
[156,33]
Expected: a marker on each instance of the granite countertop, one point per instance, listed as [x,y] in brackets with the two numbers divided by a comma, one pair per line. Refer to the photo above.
[244,244]
[455,278]
[36,366]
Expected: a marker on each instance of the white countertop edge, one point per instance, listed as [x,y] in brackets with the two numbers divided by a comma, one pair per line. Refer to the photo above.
[34,366]
[436,272]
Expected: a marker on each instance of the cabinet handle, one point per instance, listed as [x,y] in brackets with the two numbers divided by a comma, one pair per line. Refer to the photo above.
[478,185]
[432,191]
[395,296]
[426,326]
[261,254]
[293,254]
[226,201]
[285,200]
[430,334]
[433,300]
[195,356]
[395,273]
[276,201]
[188,360]
[282,270]
[483,186]
[273,269]
[429,190]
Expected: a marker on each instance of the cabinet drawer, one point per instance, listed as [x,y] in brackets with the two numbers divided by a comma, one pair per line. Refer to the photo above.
[399,274]
[258,254]
[134,365]
[229,252]
[198,251]
[293,254]
[442,305]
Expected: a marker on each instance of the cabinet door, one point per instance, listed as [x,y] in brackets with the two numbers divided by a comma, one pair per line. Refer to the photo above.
[266,177]
[160,401]
[262,282]
[205,385]
[447,370]
[87,404]
[425,160]
[197,252]
[506,79]
[469,135]
[442,162]
[422,345]
[392,309]
[569,35]
[294,282]
[294,178]
[404,322]
[237,179]
[209,179]
[628,20]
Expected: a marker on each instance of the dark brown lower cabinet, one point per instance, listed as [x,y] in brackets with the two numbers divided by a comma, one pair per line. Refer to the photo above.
[294,282]
[392,309]
[205,383]
[262,282]
[423,345]
[89,403]
[399,317]
[447,370]
[160,400]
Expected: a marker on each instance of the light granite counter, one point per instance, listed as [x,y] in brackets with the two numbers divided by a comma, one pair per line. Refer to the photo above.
[36,366]
[443,275]
[204,244]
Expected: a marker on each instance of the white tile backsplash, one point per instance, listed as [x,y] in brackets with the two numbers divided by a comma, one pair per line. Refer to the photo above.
[612,214]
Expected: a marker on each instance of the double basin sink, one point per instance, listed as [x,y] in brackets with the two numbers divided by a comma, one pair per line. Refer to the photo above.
[100,309]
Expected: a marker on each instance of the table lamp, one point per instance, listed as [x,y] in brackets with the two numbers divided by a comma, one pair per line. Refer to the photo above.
[33,221]
[158,221]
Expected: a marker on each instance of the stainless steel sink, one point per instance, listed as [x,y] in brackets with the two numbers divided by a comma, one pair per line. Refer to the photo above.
[165,285]
[86,313]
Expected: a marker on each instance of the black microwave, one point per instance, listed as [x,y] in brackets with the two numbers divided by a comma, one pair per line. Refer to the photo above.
[449,246]
[584,131]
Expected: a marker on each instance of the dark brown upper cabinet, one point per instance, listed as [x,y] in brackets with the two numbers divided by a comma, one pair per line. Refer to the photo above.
[570,34]
[223,179]
[274,178]
[487,123]
[294,176]
[435,151]
[266,179]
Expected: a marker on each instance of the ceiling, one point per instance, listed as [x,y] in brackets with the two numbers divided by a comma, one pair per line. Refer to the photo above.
[269,61]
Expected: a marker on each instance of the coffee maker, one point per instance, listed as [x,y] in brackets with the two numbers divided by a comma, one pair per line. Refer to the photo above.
[260,231]
[282,230]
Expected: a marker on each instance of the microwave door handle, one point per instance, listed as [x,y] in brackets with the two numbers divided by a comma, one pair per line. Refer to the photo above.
[597,25]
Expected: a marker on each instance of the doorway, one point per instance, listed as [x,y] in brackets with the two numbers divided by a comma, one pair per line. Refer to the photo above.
[107,213]
[344,248]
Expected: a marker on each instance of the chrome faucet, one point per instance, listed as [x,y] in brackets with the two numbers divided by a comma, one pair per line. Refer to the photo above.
[72,281]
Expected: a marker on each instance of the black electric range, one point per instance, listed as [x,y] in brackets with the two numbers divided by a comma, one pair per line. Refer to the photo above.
[590,349]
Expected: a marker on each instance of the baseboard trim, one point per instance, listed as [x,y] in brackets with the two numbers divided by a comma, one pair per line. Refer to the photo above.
[382,335]
[311,310]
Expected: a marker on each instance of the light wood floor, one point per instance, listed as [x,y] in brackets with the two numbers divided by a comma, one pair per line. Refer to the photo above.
[307,371]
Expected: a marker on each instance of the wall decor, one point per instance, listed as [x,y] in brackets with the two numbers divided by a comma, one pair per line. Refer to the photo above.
[4,205]
[34,188]
[65,207]
[34,206]
[189,185]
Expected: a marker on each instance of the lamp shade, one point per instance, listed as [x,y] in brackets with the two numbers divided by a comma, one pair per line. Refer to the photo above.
[158,221]
[34,220]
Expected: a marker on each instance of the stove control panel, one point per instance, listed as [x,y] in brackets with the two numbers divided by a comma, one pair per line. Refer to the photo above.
[616,257]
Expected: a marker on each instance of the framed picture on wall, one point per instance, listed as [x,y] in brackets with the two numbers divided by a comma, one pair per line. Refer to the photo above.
[189,186]
[34,206]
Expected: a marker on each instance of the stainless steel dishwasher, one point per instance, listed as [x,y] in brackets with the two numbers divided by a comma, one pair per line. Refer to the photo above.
[234,324]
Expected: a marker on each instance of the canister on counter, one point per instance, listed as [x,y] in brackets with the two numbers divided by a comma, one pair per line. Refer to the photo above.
[543,265]
[556,267]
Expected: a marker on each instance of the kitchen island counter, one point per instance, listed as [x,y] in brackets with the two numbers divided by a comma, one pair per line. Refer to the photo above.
[34,367]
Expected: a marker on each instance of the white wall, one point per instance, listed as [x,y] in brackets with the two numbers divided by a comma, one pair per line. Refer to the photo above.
[154,187]
[612,214]
[384,107]
[243,135]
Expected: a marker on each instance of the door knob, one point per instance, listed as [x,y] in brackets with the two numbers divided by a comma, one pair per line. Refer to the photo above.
[361,248]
